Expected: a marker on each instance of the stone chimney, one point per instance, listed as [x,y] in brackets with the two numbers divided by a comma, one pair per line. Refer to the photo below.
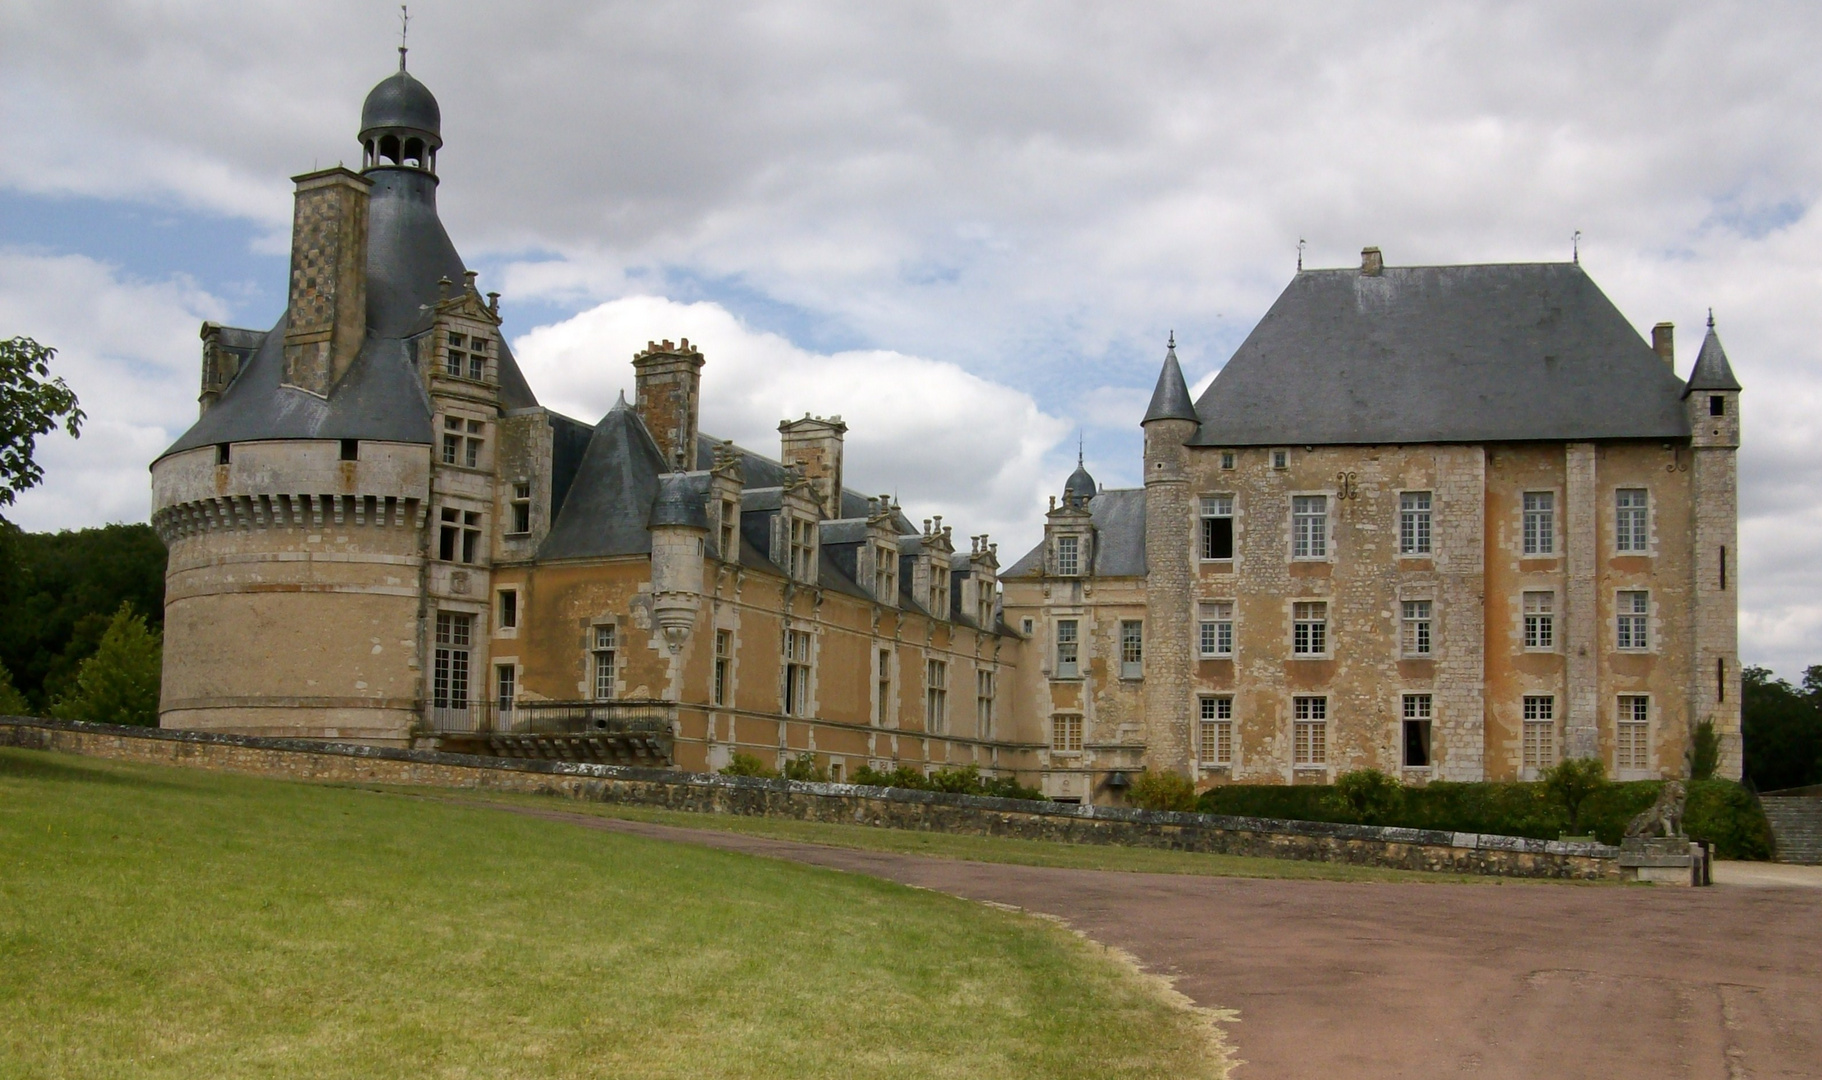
[327,314]
[1663,342]
[813,444]
[668,398]
[1371,262]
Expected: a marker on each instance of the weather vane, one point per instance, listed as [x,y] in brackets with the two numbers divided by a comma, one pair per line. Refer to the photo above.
[1575,247]
[404,30]
[1300,253]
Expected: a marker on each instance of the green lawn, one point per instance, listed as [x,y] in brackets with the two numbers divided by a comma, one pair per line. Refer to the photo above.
[176,923]
[979,848]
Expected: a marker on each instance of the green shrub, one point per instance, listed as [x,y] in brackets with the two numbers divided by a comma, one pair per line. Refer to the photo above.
[902,776]
[1164,791]
[963,781]
[803,767]
[1704,752]
[747,765]
[119,684]
[1368,796]
[1571,782]
[1292,802]
[1728,816]
[12,702]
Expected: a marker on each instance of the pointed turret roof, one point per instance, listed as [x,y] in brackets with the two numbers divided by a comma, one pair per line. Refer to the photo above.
[1712,371]
[1170,401]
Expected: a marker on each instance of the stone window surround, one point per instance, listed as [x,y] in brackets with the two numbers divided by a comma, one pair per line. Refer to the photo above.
[1214,763]
[1555,593]
[500,629]
[477,651]
[1233,517]
[1070,726]
[1557,538]
[1426,593]
[1328,526]
[1291,698]
[591,677]
[1328,628]
[1432,512]
[1613,504]
[1081,641]
[483,438]
[518,677]
[1652,634]
[1206,607]
[1639,772]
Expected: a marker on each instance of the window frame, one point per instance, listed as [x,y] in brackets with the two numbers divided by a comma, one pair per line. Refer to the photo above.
[1632,735]
[1215,510]
[1309,731]
[1416,524]
[1632,521]
[520,507]
[452,663]
[985,693]
[936,695]
[506,687]
[1537,718]
[1538,627]
[1537,524]
[1132,648]
[1215,731]
[722,676]
[1632,620]
[1215,627]
[1070,646]
[507,605]
[1066,733]
[794,688]
[604,652]
[1310,527]
[1309,626]
[1417,628]
[1417,709]
[1070,564]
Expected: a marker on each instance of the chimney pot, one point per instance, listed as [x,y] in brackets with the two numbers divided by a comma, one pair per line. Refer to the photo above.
[1663,342]
[1371,262]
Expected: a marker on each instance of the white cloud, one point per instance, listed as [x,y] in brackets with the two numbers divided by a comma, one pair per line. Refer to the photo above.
[943,440]
[130,351]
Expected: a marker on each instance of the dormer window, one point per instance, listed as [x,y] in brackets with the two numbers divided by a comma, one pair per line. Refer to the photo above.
[885,572]
[1068,556]
[984,606]
[730,518]
[467,357]
[939,588]
[803,549]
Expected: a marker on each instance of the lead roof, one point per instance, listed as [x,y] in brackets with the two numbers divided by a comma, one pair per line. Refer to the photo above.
[1440,354]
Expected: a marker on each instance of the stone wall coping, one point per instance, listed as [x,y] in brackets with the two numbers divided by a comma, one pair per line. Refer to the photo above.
[1334,830]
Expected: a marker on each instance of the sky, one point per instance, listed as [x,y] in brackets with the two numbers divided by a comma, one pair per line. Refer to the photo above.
[966,228]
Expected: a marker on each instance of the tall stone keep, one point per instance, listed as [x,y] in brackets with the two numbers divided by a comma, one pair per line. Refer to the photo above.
[1712,400]
[668,398]
[327,315]
[1169,424]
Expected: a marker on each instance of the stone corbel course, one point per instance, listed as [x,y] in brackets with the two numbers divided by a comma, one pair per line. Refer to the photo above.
[897,808]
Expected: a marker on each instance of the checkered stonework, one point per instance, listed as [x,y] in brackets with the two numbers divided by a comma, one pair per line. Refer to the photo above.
[328,297]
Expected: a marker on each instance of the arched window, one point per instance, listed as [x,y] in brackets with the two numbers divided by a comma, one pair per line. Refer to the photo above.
[389,149]
[414,153]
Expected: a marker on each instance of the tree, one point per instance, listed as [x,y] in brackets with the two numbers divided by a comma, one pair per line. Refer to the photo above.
[1164,791]
[32,403]
[1571,782]
[1704,752]
[12,702]
[1781,728]
[119,684]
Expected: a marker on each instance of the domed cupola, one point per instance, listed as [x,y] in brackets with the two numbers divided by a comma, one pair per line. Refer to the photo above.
[401,125]
[1080,486]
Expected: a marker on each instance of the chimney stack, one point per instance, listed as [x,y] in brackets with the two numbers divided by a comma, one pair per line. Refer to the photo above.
[813,444]
[1663,342]
[326,319]
[1371,262]
[668,380]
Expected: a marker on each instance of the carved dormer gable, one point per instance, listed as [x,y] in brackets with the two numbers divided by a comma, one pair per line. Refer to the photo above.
[878,558]
[1069,539]
[464,344]
[794,530]
[981,589]
[726,481]
[931,570]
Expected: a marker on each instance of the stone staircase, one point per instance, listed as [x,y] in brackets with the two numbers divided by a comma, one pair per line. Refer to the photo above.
[1796,824]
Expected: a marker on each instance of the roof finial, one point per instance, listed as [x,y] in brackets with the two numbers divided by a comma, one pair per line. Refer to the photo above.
[1575,247]
[1172,343]
[1078,448]
[1300,254]
[404,28]
[1711,318]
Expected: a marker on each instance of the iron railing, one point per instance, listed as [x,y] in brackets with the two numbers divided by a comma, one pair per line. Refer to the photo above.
[624,717]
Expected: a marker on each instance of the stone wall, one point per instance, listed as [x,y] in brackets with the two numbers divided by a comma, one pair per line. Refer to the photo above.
[297,759]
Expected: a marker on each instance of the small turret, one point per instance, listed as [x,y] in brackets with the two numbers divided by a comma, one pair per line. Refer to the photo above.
[678,523]
[1080,487]
[1170,400]
[1712,396]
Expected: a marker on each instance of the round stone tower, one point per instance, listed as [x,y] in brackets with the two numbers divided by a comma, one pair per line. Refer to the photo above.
[298,509]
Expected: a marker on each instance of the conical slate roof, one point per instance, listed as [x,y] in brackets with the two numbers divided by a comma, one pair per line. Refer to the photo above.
[1170,400]
[1080,485]
[1712,371]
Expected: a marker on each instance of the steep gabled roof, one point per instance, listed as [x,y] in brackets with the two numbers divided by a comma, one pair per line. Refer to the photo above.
[610,500]
[1170,398]
[1118,515]
[1441,354]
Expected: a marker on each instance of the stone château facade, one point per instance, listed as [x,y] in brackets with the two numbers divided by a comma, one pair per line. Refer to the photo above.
[1449,522]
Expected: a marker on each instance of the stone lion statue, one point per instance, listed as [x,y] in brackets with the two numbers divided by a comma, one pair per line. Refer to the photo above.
[1665,817]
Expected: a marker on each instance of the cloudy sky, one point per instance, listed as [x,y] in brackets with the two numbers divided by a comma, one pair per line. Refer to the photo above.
[965,227]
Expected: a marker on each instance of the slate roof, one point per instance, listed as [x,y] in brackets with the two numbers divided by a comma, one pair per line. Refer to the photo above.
[1712,371]
[1118,515]
[1170,398]
[616,482]
[1491,353]
[382,395]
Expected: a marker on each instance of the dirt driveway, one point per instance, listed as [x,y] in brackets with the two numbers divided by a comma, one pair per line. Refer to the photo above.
[1361,981]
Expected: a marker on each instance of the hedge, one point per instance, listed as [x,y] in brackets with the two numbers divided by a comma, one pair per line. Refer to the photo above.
[1719,811]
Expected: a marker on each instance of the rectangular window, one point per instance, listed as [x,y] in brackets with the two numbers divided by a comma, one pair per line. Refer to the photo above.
[885,563]
[1540,732]
[604,653]
[1310,737]
[1634,621]
[1309,526]
[1416,635]
[1132,649]
[1217,628]
[730,514]
[1309,628]
[1540,620]
[452,448]
[936,695]
[939,588]
[1218,527]
[983,704]
[457,357]
[1215,732]
[1066,734]
[1067,646]
[1414,523]
[1280,459]
[477,359]
[505,682]
[471,536]
[1634,735]
[724,657]
[796,673]
[1540,523]
[472,453]
[521,508]
[1417,731]
[802,564]
[883,709]
[450,536]
[351,449]
[1227,459]
[449,675]
[1717,405]
[1068,556]
[509,609]
[984,605]
[1630,520]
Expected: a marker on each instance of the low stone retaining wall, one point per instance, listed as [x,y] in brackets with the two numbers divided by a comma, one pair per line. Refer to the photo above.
[301,759]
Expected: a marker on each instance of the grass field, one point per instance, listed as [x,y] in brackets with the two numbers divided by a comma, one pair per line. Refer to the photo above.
[175,923]
[981,848]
